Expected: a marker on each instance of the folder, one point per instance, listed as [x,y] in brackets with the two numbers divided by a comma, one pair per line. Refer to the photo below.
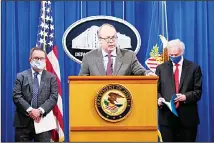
[46,123]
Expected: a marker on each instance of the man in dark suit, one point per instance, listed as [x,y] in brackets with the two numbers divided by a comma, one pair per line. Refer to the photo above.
[110,59]
[183,78]
[35,93]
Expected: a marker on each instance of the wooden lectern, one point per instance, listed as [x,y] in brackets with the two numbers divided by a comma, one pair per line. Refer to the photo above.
[87,125]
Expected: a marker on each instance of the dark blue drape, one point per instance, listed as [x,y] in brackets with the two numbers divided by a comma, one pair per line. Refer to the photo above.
[192,22]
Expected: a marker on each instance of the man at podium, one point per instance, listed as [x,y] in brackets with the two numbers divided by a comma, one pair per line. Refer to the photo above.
[109,59]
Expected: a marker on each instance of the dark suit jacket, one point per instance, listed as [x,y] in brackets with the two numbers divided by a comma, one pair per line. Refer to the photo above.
[22,95]
[190,85]
[126,64]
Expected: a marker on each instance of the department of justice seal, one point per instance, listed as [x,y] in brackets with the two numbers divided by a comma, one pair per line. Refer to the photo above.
[113,102]
[81,36]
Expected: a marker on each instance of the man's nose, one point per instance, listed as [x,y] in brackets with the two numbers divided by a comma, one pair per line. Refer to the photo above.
[111,40]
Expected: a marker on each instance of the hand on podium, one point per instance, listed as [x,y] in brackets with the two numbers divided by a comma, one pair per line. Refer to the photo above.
[151,74]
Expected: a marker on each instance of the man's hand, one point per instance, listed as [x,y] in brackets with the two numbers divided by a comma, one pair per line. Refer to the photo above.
[151,74]
[34,114]
[180,97]
[37,120]
[160,101]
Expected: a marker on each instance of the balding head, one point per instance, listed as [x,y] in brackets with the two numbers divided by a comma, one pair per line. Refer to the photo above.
[108,37]
[106,28]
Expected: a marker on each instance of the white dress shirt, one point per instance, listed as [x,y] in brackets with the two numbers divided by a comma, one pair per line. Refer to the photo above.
[179,67]
[38,76]
[39,80]
[105,58]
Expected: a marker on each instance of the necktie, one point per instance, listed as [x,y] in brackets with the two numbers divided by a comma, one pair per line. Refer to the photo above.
[35,90]
[176,78]
[109,66]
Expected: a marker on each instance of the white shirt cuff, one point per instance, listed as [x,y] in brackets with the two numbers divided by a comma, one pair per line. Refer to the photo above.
[29,109]
[43,111]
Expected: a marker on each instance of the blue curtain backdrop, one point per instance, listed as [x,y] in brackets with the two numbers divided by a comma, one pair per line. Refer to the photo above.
[192,22]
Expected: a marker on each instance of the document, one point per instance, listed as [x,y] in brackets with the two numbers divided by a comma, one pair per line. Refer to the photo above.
[171,105]
[46,123]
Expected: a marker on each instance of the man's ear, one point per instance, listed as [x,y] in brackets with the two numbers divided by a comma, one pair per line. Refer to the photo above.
[182,52]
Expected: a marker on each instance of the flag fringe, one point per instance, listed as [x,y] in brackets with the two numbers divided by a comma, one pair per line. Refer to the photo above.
[160,137]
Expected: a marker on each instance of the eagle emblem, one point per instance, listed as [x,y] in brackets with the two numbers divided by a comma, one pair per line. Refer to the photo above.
[113,102]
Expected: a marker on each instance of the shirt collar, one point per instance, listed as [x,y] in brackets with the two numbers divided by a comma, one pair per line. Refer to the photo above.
[40,73]
[113,53]
[180,62]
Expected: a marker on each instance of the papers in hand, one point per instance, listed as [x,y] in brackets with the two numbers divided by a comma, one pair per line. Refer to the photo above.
[46,123]
[171,105]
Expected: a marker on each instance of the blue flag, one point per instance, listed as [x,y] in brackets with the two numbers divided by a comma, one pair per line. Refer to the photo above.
[158,36]
[171,105]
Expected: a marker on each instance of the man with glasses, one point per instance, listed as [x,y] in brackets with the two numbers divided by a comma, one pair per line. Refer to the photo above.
[110,59]
[35,93]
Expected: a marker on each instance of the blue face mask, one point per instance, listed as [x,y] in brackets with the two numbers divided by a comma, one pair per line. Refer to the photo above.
[175,59]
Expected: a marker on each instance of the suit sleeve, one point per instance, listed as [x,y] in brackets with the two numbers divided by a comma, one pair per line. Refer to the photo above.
[18,99]
[157,72]
[84,70]
[52,100]
[195,95]
[137,68]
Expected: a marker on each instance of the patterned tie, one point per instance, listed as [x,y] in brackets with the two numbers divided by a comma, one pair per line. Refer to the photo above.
[35,90]
[176,78]
[109,65]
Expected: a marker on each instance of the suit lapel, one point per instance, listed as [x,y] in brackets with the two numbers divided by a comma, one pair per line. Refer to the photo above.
[30,80]
[183,73]
[118,62]
[99,63]
[42,82]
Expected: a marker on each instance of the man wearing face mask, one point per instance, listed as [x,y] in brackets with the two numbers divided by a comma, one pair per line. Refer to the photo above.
[35,93]
[110,59]
[183,78]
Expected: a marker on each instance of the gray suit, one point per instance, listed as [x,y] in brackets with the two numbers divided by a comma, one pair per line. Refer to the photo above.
[126,64]
[22,95]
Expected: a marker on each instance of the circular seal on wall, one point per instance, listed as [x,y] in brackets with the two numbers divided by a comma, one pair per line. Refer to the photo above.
[81,36]
[113,102]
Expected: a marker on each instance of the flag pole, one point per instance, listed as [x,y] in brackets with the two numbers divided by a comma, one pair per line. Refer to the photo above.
[123,10]
[162,5]
[43,15]
[81,9]
[164,30]
[166,22]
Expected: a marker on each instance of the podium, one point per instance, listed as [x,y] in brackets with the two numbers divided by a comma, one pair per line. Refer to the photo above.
[95,116]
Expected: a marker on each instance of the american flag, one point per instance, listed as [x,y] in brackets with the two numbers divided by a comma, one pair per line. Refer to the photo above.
[46,40]
[152,63]
[111,107]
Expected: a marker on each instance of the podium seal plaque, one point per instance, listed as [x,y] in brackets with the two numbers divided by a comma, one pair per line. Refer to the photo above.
[113,102]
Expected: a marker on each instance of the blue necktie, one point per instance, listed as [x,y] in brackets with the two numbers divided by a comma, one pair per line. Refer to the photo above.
[35,90]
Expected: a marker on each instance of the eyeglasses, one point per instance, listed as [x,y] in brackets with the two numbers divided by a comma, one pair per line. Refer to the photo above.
[38,58]
[108,39]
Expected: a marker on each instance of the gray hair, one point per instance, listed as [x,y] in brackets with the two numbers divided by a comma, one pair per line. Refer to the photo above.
[171,43]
